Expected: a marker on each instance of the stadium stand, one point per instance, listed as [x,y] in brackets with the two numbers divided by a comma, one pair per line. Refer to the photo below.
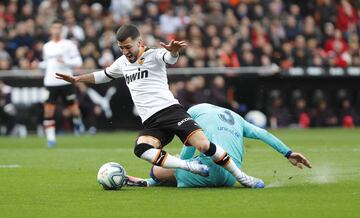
[292,35]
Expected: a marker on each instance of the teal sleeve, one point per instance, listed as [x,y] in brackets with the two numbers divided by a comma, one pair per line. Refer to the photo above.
[193,112]
[251,131]
[187,152]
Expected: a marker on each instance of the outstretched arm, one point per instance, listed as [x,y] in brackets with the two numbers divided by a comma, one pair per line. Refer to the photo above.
[171,54]
[102,76]
[174,47]
[296,159]
[86,78]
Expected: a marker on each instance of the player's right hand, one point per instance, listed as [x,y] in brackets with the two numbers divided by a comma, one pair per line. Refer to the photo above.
[68,78]
[299,160]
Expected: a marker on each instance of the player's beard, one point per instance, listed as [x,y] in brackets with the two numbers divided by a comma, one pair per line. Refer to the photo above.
[131,57]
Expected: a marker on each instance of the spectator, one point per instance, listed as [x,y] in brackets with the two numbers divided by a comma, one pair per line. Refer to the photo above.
[186,95]
[272,28]
[347,114]
[229,56]
[215,15]
[279,114]
[347,17]
[218,94]
[202,94]
[326,12]
[301,115]
[121,8]
[71,30]
[323,116]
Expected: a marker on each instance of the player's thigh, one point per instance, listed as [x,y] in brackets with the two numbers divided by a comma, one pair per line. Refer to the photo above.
[50,103]
[181,123]
[155,137]
[54,94]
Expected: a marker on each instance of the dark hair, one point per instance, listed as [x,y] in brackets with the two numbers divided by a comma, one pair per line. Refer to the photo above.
[126,31]
[57,21]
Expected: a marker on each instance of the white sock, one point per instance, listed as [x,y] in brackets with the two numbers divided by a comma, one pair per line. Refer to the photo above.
[221,158]
[162,158]
[78,124]
[49,126]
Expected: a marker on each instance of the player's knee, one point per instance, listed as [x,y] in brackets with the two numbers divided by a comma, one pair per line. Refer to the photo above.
[149,140]
[141,148]
[48,113]
[202,145]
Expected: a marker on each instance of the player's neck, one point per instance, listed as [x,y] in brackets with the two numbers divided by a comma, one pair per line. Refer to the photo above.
[56,39]
[141,52]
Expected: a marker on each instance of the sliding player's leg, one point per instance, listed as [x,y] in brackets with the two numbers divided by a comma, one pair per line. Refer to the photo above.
[149,147]
[220,157]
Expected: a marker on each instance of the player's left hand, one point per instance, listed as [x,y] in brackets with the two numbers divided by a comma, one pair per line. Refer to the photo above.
[174,46]
[68,78]
[297,159]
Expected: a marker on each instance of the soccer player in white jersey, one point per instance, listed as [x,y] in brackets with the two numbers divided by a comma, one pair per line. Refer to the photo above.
[59,55]
[144,70]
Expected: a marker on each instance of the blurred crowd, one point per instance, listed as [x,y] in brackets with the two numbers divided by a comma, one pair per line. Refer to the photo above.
[229,33]
[319,110]
[295,109]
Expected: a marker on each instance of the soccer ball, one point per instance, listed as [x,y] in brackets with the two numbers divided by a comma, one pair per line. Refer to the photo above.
[257,118]
[111,176]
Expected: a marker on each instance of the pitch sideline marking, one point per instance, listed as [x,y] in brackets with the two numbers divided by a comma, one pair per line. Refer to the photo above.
[10,166]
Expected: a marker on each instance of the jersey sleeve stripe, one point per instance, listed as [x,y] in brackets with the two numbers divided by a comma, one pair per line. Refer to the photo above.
[164,57]
[108,75]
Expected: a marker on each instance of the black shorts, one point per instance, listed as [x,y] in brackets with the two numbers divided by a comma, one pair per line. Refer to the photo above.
[166,123]
[66,93]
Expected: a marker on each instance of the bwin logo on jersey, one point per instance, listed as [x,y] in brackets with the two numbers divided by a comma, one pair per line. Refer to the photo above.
[138,75]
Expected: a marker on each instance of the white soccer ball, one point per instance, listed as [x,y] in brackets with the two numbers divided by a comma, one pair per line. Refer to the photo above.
[111,176]
[257,118]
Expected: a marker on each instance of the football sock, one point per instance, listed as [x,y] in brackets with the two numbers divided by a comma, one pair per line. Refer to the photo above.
[49,125]
[78,125]
[151,182]
[162,158]
[221,157]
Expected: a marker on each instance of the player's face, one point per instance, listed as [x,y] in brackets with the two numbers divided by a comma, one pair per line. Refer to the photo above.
[55,30]
[130,48]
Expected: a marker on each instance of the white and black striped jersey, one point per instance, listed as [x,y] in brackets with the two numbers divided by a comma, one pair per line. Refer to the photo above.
[59,57]
[146,79]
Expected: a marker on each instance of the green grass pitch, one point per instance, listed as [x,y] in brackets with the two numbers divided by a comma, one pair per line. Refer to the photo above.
[61,182]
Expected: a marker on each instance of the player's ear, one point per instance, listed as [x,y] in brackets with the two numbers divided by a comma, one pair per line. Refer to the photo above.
[140,42]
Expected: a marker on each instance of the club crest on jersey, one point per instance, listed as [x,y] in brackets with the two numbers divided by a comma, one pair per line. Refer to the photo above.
[141,61]
[140,74]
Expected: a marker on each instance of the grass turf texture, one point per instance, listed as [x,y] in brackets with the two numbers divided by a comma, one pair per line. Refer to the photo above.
[61,182]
